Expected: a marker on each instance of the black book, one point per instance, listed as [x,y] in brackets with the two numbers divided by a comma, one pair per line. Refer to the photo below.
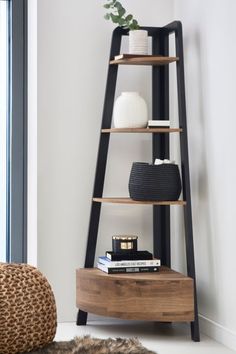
[138,255]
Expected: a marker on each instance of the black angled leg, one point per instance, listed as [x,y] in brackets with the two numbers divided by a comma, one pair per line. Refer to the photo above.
[81,318]
[185,176]
[101,161]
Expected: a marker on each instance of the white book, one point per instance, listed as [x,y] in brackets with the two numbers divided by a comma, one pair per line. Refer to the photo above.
[137,263]
[158,123]
[120,270]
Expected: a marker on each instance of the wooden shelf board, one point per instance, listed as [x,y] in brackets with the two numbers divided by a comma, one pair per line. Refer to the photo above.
[131,201]
[164,273]
[146,60]
[142,130]
[163,296]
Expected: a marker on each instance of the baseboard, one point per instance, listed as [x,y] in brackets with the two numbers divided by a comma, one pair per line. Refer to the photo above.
[208,327]
[218,332]
[110,320]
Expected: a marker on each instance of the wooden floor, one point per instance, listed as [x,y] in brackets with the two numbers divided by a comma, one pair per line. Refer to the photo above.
[163,339]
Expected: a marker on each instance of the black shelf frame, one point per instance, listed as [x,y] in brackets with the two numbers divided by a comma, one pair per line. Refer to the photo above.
[160,148]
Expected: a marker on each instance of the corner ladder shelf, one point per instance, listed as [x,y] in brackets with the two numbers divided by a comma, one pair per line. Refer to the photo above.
[166,296]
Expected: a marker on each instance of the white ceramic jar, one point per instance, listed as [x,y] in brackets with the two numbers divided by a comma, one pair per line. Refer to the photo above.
[130,111]
[138,42]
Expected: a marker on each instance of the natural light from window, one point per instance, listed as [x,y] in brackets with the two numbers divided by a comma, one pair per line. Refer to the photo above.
[3,126]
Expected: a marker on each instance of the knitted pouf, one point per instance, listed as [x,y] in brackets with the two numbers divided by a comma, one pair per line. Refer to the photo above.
[27,309]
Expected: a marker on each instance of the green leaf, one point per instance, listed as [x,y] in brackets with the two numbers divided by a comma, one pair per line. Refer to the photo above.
[107,17]
[134,25]
[114,18]
[118,5]
[129,17]
[121,12]
[121,22]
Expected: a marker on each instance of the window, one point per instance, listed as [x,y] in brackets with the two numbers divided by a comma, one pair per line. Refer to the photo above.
[13,130]
[4,110]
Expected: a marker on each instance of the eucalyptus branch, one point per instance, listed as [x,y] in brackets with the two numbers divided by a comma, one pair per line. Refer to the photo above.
[117,14]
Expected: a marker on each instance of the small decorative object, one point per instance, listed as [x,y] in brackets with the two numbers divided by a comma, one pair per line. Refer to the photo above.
[158,123]
[138,38]
[154,182]
[130,111]
[160,162]
[138,42]
[124,243]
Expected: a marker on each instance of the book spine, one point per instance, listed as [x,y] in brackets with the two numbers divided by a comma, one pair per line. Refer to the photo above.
[126,269]
[159,125]
[129,257]
[132,270]
[139,263]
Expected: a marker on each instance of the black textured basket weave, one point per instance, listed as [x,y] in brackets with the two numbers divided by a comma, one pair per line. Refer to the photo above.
[154,182]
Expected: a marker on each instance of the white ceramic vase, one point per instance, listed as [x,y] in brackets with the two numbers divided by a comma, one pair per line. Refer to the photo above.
[138,42]
[130,111]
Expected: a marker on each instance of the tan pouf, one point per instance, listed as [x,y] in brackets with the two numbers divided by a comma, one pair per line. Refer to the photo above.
[28,317]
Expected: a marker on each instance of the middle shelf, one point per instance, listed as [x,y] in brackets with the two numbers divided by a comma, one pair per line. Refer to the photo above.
[142,130]
[131,201]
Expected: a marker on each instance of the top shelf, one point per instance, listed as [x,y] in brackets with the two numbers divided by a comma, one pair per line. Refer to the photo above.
[145,60]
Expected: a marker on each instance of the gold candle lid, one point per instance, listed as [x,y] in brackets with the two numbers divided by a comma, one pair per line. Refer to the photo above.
[125,237]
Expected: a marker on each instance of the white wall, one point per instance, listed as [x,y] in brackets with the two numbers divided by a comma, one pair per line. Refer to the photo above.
[209,39]
[73,51]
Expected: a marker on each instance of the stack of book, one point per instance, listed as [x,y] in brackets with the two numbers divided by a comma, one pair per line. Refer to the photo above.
[133,262]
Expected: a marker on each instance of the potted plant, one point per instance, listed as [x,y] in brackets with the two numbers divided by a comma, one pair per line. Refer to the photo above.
[138,39]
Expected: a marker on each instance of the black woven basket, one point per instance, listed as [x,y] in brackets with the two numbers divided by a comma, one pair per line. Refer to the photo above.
[154,182]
